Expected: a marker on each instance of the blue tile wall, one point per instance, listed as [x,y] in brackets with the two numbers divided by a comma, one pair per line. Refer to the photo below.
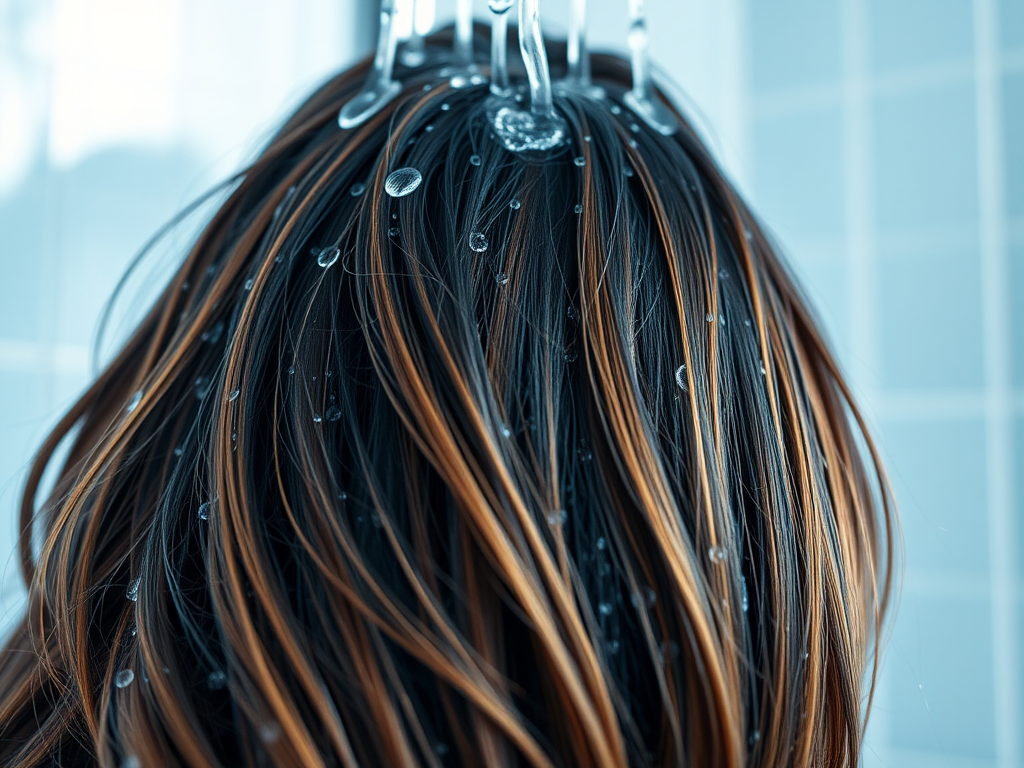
[1011,24]
[915,33]
[795,43]
[798,173]
[22,221]
[939,666]
[112,203]
[1018,517]
[22,398]
[937,469]
[925,159]
[1013,145]
[1016,305]
[822,272]
[931,334]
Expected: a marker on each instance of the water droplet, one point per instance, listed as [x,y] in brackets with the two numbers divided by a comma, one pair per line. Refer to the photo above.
[763,371]
[572,313]
[744,596]
[747,323]
[474,160]
[213,335]
[717,554]
[317,418]
[269,732]
[202,387]
[571,355]
[477,242]
[501,278]
[755,737]
[428,128]
[204,511]
[402,182]
[505,431]
[580,161]
[393,232]
[216,680]
[333,413]
[605,609]
[328,256]
[584,452]
[134,402]
[601,543]
[587,137]
[234,395]
[616,109]
[291,370]
[558,517]
[515,205]
[131,762]
[445,107]
[178,451]
[357,189]
[578,208]
[627,171]
[645,598]
[375,519]
[249,284]
[342,495]
[133,591]
[710,318]
[681,377]
[612,646]
[633,144]
[124,678]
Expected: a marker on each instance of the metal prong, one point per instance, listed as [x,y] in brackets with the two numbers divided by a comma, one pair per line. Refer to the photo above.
[379,88]
[641,98]
[499,46]
[577,54]
[540,128]
[414,52]
[531,45]
[466,72]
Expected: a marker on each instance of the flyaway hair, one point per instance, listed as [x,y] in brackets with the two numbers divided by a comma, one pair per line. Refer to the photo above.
[538,461]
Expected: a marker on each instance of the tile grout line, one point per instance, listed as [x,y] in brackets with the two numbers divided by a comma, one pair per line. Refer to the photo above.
[860,256]
[860,243]
[998,401]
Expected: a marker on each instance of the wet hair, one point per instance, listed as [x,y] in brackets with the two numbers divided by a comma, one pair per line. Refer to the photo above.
[544,463]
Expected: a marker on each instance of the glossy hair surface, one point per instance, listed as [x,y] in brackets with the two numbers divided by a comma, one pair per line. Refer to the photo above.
[543,464]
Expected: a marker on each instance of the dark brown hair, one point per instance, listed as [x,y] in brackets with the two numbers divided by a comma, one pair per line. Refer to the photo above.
[545,463]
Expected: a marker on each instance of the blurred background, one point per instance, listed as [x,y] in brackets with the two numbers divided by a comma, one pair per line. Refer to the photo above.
[882,141]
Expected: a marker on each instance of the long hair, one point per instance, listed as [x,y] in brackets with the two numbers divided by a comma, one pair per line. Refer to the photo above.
[544,463]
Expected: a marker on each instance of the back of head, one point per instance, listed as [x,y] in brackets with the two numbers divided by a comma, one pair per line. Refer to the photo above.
[541,461]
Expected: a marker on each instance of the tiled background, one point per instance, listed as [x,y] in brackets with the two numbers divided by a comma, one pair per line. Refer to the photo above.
[881,140]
